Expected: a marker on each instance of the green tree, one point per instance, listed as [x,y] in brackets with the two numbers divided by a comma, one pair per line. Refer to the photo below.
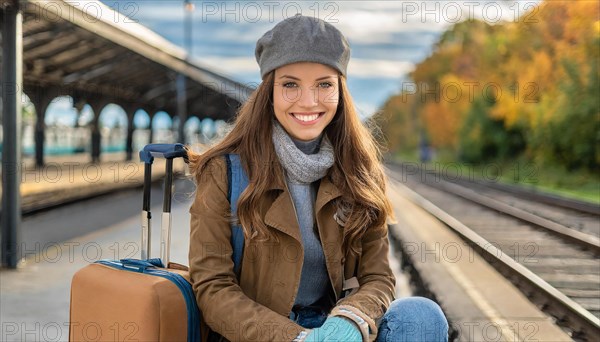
[576,129]
[484,139]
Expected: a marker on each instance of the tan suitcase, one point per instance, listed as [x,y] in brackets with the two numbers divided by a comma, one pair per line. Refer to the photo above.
[137,299]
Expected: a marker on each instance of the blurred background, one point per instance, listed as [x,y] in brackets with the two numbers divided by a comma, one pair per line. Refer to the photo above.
[501,92]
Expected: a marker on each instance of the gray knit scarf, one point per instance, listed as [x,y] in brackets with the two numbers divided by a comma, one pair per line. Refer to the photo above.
[301,168]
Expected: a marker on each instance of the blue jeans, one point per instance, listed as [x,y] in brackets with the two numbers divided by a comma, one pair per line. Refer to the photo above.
[406,320]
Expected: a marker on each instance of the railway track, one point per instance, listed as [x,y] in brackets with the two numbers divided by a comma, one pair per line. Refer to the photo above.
[548,251]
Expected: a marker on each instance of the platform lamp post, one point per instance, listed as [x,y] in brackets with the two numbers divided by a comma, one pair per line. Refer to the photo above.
[188,9]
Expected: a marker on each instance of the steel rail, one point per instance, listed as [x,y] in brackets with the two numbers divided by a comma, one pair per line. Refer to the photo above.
[586,241]
[542,197]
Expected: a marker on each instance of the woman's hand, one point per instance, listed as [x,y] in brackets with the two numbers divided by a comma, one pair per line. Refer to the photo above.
[335,329]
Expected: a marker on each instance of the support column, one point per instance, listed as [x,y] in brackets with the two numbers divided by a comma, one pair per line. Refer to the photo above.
[39,137]
[97,105]
[151,130]
[129,141]
[96,140]
[181,107]
[41,97]
[41,104]
[12,86]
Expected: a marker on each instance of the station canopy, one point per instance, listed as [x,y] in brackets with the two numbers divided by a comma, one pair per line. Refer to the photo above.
[97,55]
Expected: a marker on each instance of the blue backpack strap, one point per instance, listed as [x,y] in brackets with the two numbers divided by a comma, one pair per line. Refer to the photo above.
[237,182]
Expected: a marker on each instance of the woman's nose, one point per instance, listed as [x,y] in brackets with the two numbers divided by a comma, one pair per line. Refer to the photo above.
[309,97]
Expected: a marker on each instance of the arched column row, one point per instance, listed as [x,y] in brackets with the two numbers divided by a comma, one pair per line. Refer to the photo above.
[42,103]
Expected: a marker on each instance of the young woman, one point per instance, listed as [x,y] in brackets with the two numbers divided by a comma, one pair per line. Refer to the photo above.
[315,260]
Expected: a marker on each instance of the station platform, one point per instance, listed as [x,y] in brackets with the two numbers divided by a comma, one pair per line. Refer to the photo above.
[69,178]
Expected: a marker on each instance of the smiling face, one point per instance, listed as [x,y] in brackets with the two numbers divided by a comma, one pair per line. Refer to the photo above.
[305,98]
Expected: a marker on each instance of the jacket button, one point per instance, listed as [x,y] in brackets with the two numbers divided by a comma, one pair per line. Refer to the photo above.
[343,260]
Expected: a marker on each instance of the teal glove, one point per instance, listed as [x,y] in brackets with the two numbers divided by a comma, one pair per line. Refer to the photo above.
[335,329]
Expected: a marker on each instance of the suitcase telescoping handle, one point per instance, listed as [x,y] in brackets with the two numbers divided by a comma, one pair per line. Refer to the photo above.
[147,155]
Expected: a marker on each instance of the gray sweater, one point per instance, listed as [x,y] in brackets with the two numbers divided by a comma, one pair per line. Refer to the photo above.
[314,281]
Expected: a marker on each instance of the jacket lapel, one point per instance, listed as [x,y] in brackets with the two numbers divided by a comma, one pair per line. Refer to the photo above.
[327,193]
[281,214]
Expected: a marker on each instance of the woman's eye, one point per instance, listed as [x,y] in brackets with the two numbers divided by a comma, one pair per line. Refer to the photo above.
[289,85]
[325,85]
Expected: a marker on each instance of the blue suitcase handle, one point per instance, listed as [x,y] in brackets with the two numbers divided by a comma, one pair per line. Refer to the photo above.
[147,155]
[167,151]
[142,265]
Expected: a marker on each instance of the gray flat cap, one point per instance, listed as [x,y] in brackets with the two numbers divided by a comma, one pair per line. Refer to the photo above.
[302,39]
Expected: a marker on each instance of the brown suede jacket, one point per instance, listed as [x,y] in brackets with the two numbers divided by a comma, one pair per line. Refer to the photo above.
[258,306]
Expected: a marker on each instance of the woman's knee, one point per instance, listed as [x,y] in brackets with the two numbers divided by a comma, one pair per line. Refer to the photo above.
[417,309]
[415,319]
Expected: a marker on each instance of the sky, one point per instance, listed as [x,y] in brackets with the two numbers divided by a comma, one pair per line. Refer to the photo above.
[387,38]
[225,33]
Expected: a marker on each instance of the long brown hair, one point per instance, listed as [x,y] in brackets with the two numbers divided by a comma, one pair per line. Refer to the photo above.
[357,170]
